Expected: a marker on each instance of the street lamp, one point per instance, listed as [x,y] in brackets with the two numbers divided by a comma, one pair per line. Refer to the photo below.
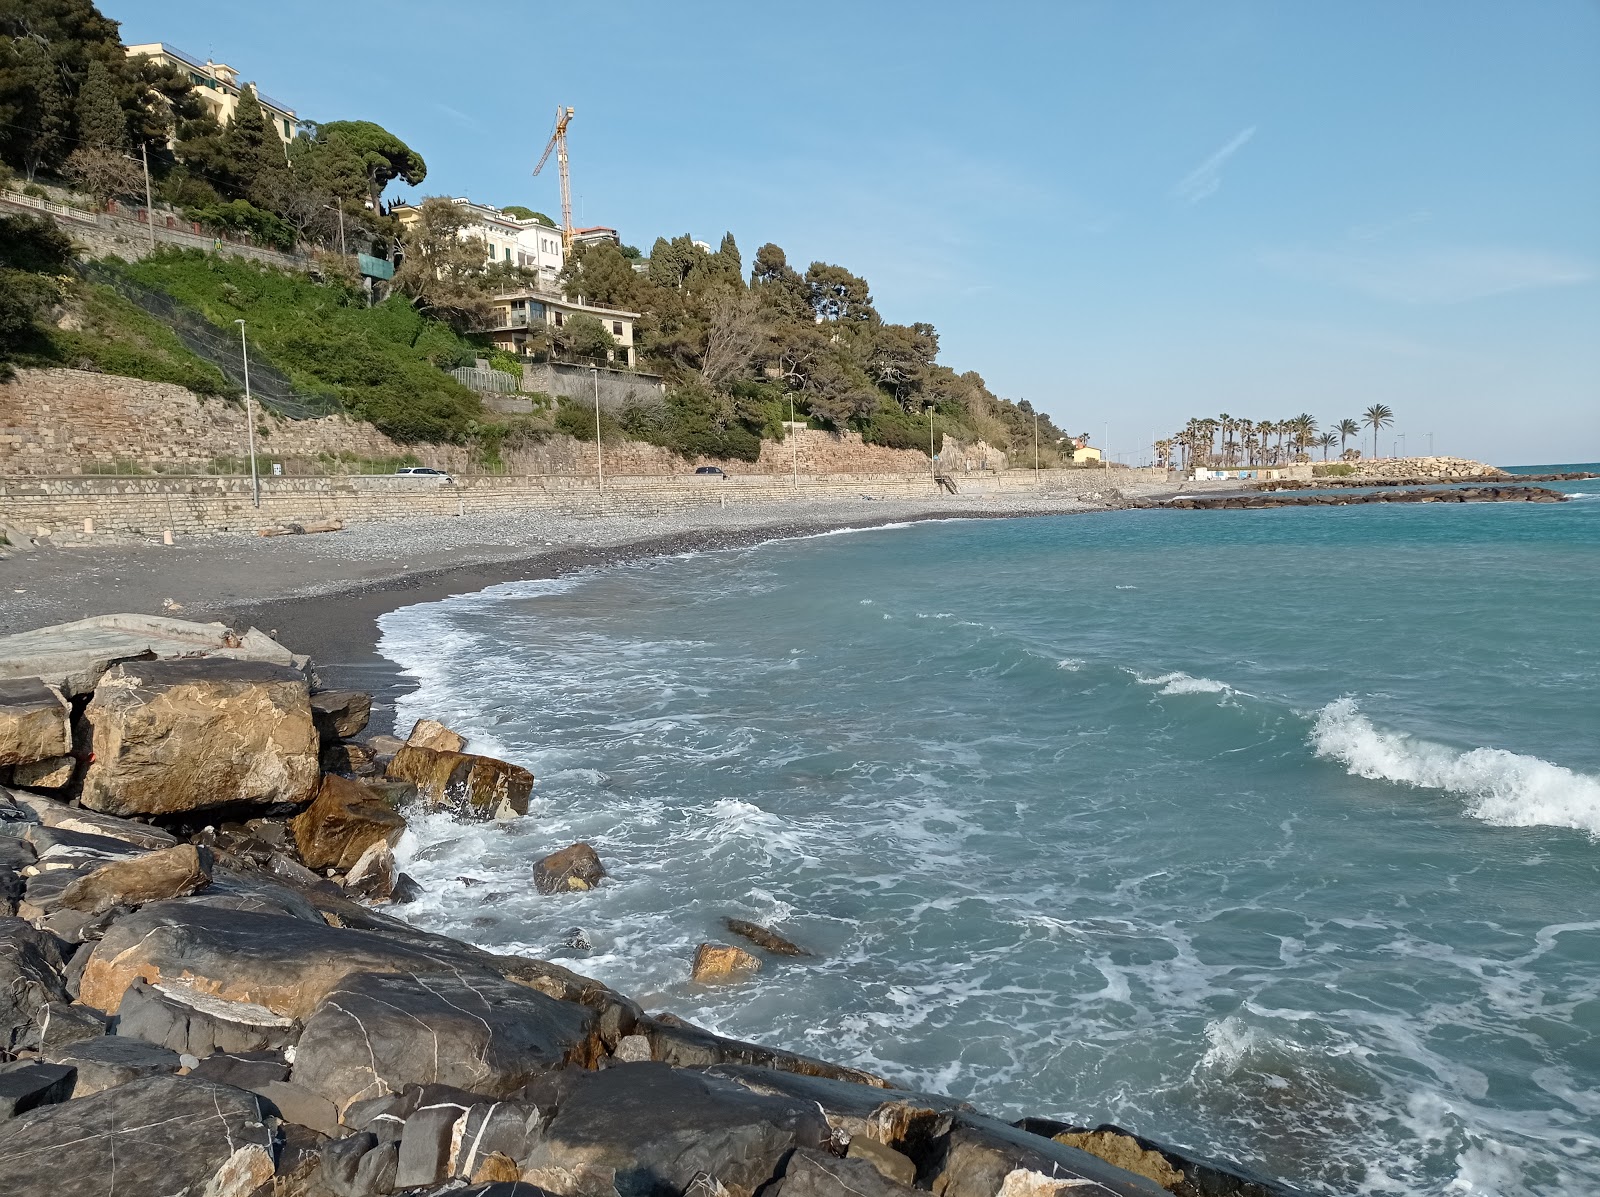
[340,209]
[249,417]
[599,463]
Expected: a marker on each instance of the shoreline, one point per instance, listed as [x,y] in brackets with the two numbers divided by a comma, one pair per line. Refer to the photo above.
[325,593]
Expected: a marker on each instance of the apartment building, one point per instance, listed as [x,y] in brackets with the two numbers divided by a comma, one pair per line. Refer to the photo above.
[518,312]
[530,244]
[218,85]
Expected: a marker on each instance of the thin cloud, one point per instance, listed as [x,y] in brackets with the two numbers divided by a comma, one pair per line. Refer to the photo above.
[1381,229]
[1205,179]
[1436,276]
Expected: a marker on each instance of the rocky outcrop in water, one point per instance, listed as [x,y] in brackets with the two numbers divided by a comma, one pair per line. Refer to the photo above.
[1469,494]
[226,1009]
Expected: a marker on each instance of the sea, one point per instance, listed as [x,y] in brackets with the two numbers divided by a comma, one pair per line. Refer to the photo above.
[1272,834]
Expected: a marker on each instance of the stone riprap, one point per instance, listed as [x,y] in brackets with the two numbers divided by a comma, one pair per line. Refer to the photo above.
[229,1009]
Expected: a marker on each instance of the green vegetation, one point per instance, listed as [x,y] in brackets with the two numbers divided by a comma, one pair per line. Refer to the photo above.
[736,352]
[1342,469]
[384,364]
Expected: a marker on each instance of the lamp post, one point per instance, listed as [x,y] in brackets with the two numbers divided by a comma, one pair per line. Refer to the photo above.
[249,417]
[599,462]
[339,208]
[149,202]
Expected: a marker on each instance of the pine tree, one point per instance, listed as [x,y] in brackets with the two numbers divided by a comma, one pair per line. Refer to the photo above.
[101,121]
[39,128]
[255,159]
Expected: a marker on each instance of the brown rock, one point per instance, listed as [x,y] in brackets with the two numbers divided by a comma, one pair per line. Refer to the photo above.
[1124,1151]
[345,820]
[33,722]
[170,873]
[575,868]
[764,938]
[715,962]
[430,733]
[892,1165]
[384,747]
[340,714]
[191,734]
[477,787]
[496,1167]
[373,876]
[49,774]
[349,757]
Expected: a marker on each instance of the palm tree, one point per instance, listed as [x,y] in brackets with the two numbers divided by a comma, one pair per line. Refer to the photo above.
[1346,429]
[1377,416]
[1327,441]
[1302,429]
[1225,423]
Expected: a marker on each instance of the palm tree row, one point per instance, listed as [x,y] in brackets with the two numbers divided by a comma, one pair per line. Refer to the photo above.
[1228,441]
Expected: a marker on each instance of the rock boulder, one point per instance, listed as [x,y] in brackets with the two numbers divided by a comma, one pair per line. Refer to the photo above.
[193,734]
[166,1134]
[572,869]
[340,714]
[430,733]
[345,820]
[717,962]
[484,1034]
[170,873]
[472,787]
[33,722]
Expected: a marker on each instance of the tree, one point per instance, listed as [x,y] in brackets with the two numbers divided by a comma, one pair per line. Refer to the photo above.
[838,295]
[443,272]
[31,250]
[254,158]
[1346,429]
[1327,441]
[732,338]
[104,173]
[522,213]
[600,275]
[35,125]
[376,153]
[1376,417]
[583,336]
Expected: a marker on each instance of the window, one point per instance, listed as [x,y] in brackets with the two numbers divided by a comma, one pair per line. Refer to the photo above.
[287,134]
[616,328]
[558,319]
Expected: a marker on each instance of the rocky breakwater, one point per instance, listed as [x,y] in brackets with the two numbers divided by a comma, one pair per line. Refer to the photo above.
[204,991]
[1469,494]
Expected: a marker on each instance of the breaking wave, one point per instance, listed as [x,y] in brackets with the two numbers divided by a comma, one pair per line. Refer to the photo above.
[1503,788]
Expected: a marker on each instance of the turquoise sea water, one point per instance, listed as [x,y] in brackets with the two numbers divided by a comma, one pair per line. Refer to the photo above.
[1270,833]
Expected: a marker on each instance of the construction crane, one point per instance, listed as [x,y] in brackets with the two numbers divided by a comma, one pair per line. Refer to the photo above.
[558,143]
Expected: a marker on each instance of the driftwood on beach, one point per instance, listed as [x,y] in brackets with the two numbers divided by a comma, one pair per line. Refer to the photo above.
[203,991]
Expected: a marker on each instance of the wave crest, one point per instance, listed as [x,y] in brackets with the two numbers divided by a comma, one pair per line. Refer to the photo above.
[1503,788]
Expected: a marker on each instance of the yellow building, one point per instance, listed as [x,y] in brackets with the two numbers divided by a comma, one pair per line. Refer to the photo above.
[218,85]
[518,311]
[1083,453]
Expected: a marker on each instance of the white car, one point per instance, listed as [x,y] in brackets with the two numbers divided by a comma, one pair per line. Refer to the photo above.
[426,473]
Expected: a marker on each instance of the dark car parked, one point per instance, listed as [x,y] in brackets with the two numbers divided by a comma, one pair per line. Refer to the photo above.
[712,471]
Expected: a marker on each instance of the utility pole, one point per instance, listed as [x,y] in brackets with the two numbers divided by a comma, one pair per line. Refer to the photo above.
[250,417]
[599,463]
[149,202]
[1037,483]
[794,445]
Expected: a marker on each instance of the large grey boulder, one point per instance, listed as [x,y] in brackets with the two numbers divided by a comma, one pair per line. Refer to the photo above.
[340,714]
[25,1084]
[184,1020]
[34,723]
[186,735]
[163,1135]
[31,978]
[113,1060]
[658,1127]
[685,1045]
[170,873]
[484,1034]
[811,1173]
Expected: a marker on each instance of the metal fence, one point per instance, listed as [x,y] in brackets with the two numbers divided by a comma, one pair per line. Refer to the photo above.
[269,385]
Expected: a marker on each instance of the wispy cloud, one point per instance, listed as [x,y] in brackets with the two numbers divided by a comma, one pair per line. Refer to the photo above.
[1205,179]
[1380,229]
[1434,276]
[457,115]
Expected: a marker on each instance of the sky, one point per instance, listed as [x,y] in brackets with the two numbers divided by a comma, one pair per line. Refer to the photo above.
[1127,213]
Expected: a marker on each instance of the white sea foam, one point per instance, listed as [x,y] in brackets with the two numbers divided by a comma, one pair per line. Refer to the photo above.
[1503,788]
[1070,664]
[1183,683]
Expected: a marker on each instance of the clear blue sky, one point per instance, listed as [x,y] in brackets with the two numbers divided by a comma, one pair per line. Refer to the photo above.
[1128,213]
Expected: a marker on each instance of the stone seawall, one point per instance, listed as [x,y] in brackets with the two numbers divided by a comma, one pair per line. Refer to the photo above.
[150,506]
